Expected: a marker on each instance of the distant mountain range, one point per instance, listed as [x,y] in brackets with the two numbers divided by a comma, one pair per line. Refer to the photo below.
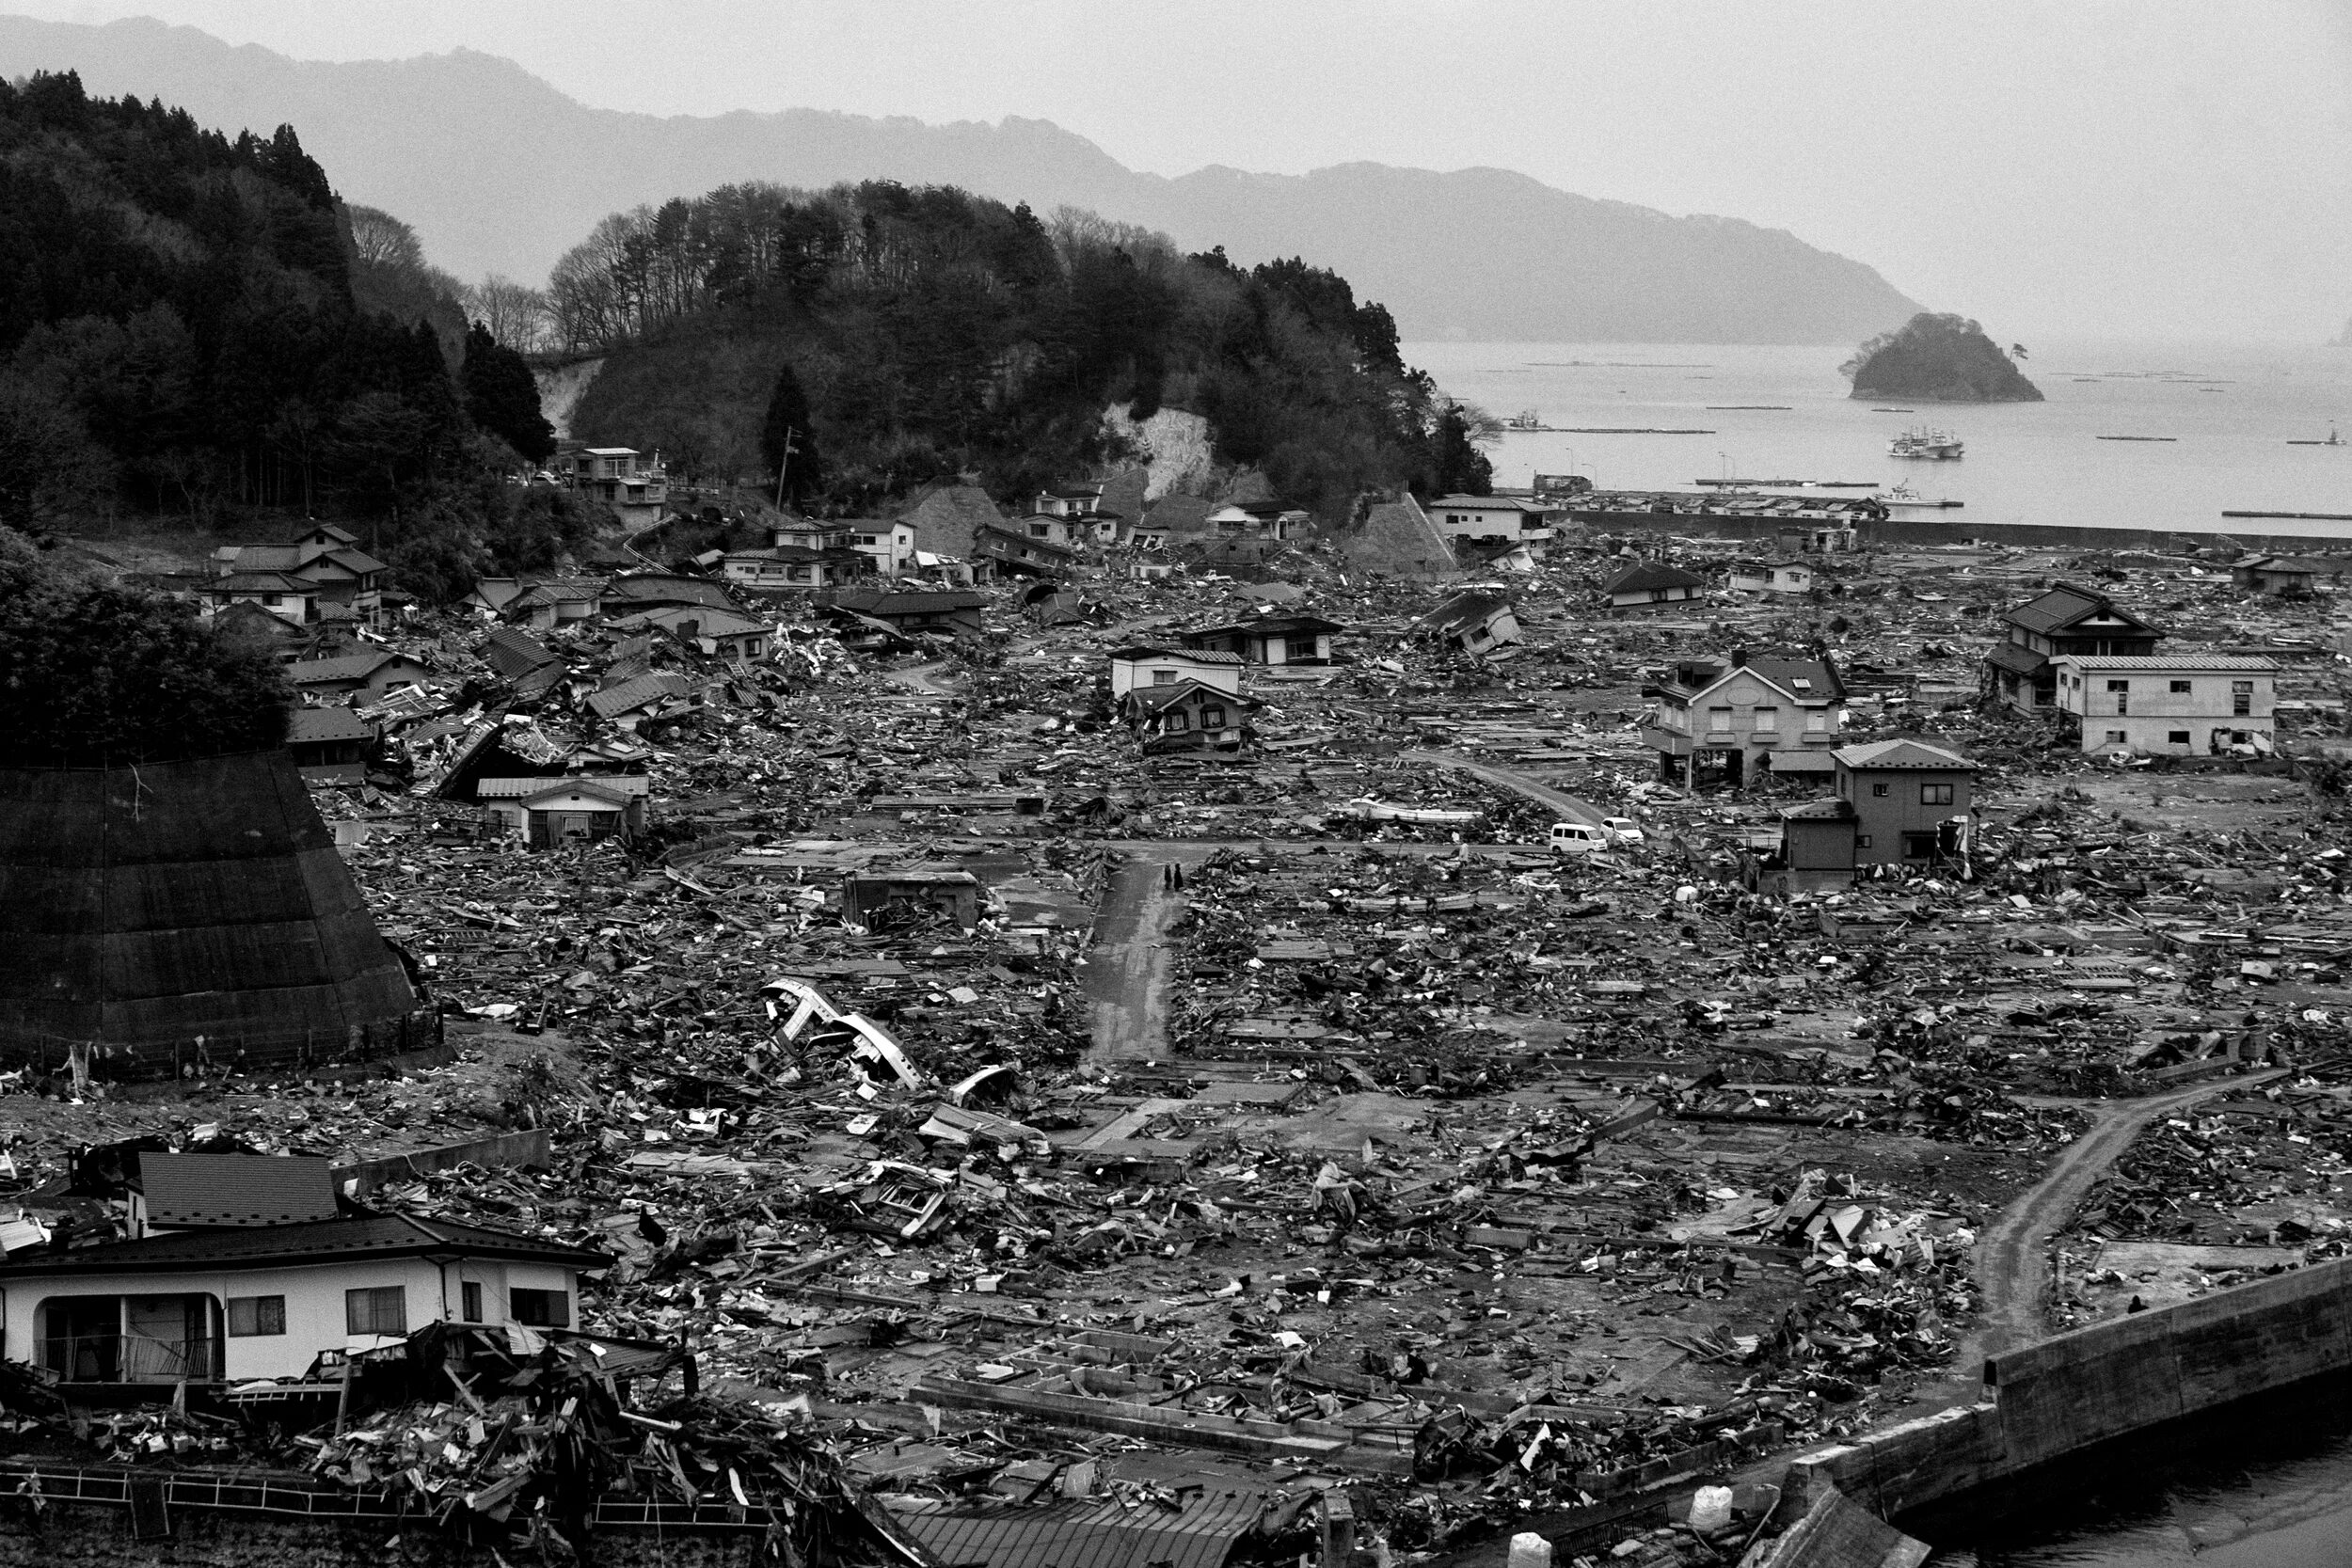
[498,171]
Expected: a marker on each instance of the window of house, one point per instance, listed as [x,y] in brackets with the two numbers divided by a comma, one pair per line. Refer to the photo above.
[1879,788]
[1816,722]
[1935,795]
[249,1316]
[1918,847]
[1163,677]
[1718,717]
[1657,595]
[2176,738]
[377,1309]
[540,1308]
[1212,718]
[2118,737]
[1767,719]
[1176,721]
[2242,698]
[2181,689]
[470,1301]
[1862,841]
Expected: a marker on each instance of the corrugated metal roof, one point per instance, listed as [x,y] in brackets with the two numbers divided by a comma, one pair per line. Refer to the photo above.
[629,784]
[2178,666]
[239,1190]
[313,726]
[1088,1533]
[1901,753]
[632,694]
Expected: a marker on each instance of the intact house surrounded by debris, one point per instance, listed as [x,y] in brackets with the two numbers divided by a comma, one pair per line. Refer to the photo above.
[2172,705]
[1150,665]
[1268,640]
[1189,716]
[1724,721]
[1496,520]
[239,1267]
[548,814]
[2019,671]
[1771,576]
[1647,583]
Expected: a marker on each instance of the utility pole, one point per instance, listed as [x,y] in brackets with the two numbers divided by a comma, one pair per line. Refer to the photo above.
[791,444]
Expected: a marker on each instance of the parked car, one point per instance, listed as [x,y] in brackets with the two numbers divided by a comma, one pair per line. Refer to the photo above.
[1578,838]
[1624,829]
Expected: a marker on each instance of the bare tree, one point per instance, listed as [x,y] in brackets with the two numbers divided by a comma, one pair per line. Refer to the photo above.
[382,239]
[515,313]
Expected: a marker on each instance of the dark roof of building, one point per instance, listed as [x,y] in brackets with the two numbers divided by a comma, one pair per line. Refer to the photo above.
[260,582]
[2067,604]
[514,653]
[1901,753]
[882,602]
[357,562]
[1818,810]
[1153,698]
[349,667]
[1802,676]
[1645,576]
[2016,657]
[629,695]
[309,726]
[1464,610]
[667,588]
[1265,625]
[240,1189]
[310,1242]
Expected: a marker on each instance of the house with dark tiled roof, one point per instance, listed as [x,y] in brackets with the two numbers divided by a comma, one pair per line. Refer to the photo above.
[355,679]
[2021,672]
[235,1303]
[283,594]
[1647,584]
[1913,803]
[946,611]
[1721,720]
[330,744]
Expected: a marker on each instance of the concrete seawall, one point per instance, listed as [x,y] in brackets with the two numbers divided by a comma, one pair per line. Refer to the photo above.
[2046,1400]
[1950,528]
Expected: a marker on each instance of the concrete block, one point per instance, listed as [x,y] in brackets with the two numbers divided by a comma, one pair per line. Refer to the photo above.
[2259,1336]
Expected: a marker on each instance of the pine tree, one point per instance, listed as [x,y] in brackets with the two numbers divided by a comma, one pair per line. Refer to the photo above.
[789,419]
[502,397]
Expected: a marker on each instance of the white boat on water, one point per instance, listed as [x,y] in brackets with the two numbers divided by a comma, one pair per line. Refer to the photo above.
[1526,419]
[1922,442]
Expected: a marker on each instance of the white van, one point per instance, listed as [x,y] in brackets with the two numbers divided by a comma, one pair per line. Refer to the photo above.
[1578,838]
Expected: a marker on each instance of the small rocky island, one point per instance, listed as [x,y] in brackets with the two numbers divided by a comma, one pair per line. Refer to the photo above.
[1937,358]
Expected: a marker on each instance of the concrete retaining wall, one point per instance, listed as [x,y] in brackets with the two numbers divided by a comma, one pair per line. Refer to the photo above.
[2051,1399]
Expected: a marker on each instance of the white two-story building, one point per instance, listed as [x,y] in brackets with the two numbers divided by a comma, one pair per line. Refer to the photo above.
[2180,705]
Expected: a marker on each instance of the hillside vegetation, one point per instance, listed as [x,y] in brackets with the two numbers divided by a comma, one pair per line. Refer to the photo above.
[934,332]
[181,339]
[1940,358]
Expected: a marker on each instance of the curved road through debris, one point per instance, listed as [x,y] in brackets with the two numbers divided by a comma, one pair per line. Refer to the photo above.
[1543,795]
[2012,1255]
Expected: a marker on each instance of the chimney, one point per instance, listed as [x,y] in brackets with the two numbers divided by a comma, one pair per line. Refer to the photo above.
[1738,658]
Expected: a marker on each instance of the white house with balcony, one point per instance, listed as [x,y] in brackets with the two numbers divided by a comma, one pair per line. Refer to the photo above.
[240,1268]
[1496,519]
[2167,704]
[1725,721]
[623,478]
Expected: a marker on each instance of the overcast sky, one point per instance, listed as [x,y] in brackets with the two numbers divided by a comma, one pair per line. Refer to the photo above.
[2113,167]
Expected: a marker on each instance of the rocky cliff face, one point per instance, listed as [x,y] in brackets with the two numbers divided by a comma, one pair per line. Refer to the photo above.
[1938,358]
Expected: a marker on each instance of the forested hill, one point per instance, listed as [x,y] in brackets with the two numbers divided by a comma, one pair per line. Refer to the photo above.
[500,171]
[188,331]
[932,332]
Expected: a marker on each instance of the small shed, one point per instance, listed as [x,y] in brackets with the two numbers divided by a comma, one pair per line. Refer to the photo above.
[548,813]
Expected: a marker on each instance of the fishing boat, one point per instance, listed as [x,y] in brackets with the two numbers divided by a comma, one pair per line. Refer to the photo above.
[1526,419]
[1923,442]
[2333,440]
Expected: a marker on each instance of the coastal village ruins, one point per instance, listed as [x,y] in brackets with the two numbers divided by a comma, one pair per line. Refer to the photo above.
[1141,1028]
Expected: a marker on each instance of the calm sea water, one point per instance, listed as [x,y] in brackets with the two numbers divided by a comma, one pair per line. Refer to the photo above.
[2230,409]
[2268,1486]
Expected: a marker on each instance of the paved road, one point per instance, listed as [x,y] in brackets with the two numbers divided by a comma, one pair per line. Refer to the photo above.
[1127,968]
[1519,784]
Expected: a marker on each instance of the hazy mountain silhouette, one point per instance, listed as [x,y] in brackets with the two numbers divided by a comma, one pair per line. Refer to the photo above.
[498,171]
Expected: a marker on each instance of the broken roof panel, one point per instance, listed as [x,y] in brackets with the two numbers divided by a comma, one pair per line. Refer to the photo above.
[213,1191]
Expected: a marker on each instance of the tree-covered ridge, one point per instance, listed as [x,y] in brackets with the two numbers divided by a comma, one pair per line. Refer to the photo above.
[189,328]
[935,332]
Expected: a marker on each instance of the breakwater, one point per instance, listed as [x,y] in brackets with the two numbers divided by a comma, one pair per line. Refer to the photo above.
[1899,531]
[2062,1396]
